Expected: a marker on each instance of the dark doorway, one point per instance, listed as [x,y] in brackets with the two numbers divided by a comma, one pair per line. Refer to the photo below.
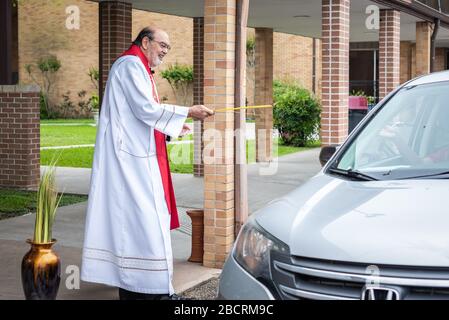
[364,71]
[9,53]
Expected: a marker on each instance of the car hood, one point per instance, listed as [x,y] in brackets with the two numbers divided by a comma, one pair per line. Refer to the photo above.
[377,222]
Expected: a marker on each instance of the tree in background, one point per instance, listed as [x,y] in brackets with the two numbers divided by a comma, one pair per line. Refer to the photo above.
[45,79]
[180,78]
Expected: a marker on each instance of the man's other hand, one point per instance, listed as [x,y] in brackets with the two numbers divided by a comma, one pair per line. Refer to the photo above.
[199,112]
[185,130]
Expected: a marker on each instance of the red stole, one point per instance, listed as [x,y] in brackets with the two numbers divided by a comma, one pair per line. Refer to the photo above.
[161,147]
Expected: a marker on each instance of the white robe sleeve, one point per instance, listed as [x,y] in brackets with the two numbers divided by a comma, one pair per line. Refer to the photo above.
[165,118]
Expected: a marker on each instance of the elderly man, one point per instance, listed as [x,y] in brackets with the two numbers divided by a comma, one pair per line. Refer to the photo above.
[131,206]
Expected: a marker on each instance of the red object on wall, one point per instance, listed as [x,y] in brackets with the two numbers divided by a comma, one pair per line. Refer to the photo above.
[358,103]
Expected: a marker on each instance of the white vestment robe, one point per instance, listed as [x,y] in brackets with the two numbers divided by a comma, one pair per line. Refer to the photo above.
[127,234]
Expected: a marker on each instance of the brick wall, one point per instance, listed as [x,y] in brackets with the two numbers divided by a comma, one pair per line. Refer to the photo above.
[423,35]
[219,77]
[318,67]
[406,61]
[78,50]
[389,51]
[264,94]
[42,31]
[296,49]
[19,137]
[180,31]
[335,72]
[198,92]
[115,35]
[299,51]
[440,59]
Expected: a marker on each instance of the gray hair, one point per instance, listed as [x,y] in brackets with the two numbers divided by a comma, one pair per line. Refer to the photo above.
[145,32]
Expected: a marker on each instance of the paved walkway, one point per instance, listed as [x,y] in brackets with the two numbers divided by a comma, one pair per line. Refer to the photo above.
[292,170]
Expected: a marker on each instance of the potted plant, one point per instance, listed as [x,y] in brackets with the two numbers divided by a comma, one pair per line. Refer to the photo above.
[41,266]
[358,100]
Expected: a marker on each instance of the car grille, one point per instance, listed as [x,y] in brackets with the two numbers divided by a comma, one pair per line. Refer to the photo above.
[305,278]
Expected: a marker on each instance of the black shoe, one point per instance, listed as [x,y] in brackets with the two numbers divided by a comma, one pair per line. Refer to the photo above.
[130,295]
[174,297]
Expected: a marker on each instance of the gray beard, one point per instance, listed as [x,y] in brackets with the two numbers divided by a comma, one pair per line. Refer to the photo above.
[156,63]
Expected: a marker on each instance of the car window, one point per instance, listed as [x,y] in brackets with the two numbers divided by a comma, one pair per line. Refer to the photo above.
[409,136]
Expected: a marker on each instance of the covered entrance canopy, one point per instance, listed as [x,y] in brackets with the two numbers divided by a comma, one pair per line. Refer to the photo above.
[301,17]
[219,49]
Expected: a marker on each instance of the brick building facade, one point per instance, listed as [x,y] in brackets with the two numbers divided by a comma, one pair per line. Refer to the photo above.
[78,49]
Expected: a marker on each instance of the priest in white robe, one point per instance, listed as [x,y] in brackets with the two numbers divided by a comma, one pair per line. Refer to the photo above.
[131,205]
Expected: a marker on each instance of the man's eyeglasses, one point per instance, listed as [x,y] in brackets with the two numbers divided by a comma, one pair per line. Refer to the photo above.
[163,45]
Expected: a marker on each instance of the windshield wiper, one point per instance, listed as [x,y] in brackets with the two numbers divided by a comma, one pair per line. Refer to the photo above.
[353,174]
[433,175]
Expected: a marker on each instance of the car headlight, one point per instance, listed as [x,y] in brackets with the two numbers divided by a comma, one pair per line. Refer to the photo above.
[253,248]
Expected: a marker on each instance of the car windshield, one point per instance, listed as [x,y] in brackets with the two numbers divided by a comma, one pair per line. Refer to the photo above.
[407,138]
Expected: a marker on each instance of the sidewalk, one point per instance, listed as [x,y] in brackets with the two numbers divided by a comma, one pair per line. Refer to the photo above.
[292,171]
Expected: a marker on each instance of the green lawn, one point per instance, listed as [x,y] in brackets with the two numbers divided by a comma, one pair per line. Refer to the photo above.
[83,157]
[68,121]
[73,157]
[52,136]
[15,203]
[181,155]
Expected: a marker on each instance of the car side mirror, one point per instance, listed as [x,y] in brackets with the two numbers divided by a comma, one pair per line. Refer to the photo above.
[326,153]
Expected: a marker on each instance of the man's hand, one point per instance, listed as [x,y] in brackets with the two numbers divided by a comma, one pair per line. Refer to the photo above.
[199,112]
[185,130]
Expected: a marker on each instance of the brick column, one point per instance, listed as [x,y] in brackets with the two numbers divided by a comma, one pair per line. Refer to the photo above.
[198,93]
[423,37]
[335,71]
[406,61]
[264,94]
[19,137]
[115,27]
[219,77]
[413,61]
[389,51]
[440,59]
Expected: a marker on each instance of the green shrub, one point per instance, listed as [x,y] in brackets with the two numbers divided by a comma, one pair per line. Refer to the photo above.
[180,78]
[296,113]
[94,102]
[43,106]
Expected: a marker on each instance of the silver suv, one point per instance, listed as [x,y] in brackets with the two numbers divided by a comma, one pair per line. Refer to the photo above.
[373,224]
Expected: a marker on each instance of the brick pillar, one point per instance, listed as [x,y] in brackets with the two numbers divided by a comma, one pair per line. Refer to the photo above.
[264,94]
[423,37]
[413,61]
[335,71]
[389,51]
[115,27]
[198,93]
[440,59]
[406,61]
[19,137]
[219,77]
[318,67]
